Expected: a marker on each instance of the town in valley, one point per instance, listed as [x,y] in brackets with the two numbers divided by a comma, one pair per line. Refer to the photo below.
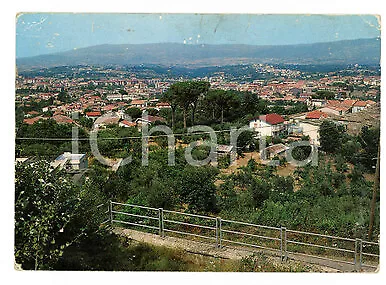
[195,157]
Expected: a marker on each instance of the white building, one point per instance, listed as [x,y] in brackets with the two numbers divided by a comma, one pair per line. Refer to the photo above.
[70,161]
[359,106]
[311,130]
[268,125]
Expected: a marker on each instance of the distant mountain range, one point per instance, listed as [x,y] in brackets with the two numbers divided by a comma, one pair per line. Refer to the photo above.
[360,51]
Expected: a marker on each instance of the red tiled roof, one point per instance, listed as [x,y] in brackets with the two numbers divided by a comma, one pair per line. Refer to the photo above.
[109,107]
[316,115]
[333,102]
[33,113]
[348,102]
[155,118]
[272,119]
[163,104]
[93,114]
[60,119]
[127,123]
[360,104]
[337,108]
[33,120]
[370,102]
[151,119]
[138,102]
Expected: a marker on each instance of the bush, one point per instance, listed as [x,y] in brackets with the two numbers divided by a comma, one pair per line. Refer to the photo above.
[224,161]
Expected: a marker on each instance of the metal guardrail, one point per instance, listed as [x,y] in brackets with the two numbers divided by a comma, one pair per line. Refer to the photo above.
[280,240]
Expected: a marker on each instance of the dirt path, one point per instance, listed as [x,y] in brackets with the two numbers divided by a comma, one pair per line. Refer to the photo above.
[286,170]
[196,247]
[242,161]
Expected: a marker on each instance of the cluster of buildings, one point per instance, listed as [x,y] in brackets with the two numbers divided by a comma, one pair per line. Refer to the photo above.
[356,114]
[105,99]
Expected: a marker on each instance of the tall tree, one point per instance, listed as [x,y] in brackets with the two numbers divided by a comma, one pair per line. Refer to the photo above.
[187,95]
[197,89]
[210,103]
[170,97]
[225,100]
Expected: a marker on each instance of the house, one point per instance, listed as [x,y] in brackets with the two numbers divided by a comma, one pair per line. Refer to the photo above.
[23,160]
[32,121]
[162,105]
[268,125]
[31,114]
[138,103]
[222,150]
[93,114]
[370,102]
[109,108]
[349,102]
[126,124]
[311,129]
[122,115]
[359,106]
[107,119]
[333,102]
[149,120]
[70,161]
[316,115]
[318,102]
[274,150]
[335,110]
[61,119]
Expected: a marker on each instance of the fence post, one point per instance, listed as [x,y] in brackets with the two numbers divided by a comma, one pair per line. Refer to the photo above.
[356,254]
[218,232]
[161,221]
[358,250]
[283,243]
[111,212]
[360,254]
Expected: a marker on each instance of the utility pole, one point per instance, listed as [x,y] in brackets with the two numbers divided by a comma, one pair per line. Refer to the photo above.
[375,191]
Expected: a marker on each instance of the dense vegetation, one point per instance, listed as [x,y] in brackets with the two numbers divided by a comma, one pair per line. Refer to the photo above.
[52,230]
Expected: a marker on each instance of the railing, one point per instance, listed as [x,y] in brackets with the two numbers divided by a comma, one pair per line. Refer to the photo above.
[282,241]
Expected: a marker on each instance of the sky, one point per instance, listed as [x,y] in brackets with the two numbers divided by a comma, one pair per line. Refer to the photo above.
[43,33]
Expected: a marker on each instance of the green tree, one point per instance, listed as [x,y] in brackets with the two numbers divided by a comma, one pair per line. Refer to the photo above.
[259,190]
[187,95]
[64,97]
[196,187]
[324,94]
[133,112]
[48,211]
[331,136]
[369,139]
[170,97]
[152,111]
[224,100]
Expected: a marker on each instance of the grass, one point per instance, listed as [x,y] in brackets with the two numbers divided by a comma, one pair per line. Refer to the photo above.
[146,257]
